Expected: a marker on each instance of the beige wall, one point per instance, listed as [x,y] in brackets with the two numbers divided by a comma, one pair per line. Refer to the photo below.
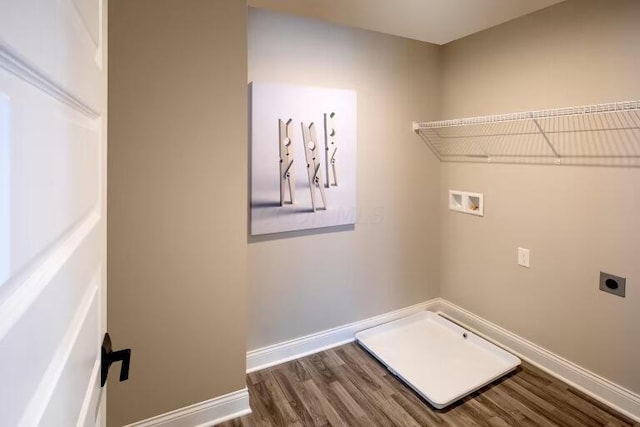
[576,220]
[390,259]
[177,192]
[177,202]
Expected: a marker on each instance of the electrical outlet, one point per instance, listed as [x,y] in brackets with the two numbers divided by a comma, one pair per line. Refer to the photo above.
[523,257]
[613,284]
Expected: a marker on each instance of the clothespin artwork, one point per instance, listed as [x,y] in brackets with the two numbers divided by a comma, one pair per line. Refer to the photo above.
[287,178]
[314,171]
[331,146]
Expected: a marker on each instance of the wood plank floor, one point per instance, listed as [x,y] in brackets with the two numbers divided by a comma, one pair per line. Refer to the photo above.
[345,386]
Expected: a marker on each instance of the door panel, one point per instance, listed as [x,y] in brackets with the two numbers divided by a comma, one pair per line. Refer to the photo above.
[46,322]
[54,41]
[5,176]
[58,397]
[55,167]
[52,211]
[82,342]
[89,11]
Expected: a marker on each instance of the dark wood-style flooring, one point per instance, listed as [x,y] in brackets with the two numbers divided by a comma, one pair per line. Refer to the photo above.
[345,386]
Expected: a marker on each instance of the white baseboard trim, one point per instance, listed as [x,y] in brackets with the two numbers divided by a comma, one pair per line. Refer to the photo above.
[299,347]
[203,414]
[601,389]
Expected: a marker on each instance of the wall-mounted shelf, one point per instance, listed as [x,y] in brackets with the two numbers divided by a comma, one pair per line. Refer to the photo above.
[599,135]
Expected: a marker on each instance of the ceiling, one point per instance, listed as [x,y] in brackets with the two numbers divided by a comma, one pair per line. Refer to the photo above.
[433,21]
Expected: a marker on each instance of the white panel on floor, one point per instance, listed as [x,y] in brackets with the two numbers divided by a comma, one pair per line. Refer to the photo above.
[438,359]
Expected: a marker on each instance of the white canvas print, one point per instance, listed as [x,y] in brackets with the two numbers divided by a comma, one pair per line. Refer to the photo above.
[303,157]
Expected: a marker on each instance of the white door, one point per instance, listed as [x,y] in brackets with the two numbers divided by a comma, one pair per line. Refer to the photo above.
[52,211]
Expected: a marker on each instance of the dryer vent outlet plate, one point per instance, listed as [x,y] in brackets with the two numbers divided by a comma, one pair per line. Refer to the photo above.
[612,284]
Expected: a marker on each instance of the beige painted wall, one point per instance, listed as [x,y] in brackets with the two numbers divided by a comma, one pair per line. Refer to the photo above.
[177,201]
[390,259]
[576,220]
[177,192]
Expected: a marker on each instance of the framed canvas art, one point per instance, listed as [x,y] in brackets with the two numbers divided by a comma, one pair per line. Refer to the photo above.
[303,157]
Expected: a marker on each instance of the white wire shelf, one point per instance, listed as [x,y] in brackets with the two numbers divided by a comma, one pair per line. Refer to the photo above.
[598,135]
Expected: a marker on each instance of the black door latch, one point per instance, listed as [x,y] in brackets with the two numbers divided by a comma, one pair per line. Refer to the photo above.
[109,356]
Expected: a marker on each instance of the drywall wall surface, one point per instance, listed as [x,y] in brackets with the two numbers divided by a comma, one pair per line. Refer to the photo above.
[577,221]
[177,202]
[575,53]
[305,282]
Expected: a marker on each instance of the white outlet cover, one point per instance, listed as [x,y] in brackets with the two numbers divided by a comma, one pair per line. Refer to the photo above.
[524,257]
